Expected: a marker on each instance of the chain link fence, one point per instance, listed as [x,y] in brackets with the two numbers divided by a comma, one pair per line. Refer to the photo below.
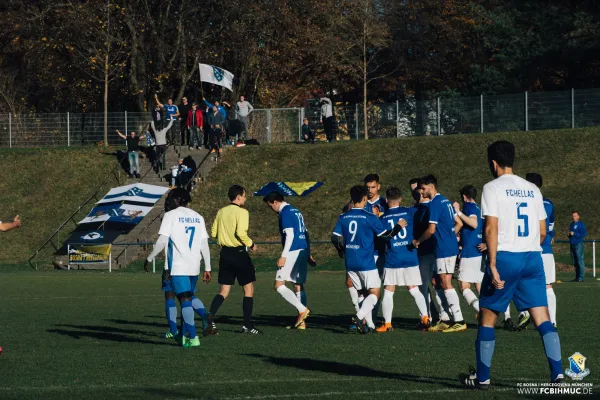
[460,115]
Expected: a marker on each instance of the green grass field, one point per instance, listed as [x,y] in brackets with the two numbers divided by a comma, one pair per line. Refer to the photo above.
[96,335]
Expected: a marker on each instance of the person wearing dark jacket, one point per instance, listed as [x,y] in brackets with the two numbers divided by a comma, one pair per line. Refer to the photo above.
[216,121]
[194,123]
[307,134]
[184,109]
[577,234]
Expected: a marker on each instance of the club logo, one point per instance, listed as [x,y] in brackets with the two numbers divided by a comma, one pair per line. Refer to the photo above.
[134,191]
[577,370]
[218,73]
[93,236]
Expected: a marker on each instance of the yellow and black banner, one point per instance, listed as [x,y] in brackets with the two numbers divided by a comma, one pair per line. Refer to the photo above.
[86,254]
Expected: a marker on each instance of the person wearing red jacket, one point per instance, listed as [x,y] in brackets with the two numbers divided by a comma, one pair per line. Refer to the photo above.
[195,122]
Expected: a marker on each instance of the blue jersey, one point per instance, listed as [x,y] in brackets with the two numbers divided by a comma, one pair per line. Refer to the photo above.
[547,243]
[400,253]
[380,202]
[421,223]
[442,214]
[359,229]
[290,218]
[471,238]
[171,111]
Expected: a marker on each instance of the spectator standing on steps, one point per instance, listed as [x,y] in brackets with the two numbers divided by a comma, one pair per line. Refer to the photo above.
[133,148]
[215,120]
[577,234]
[221,109]
[172,114]
[194,123]
[184,108]
[161,145]
[242,111]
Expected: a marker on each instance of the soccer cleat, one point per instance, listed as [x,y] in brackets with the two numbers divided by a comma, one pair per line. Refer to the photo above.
[440,326]
[456,327]
[250,330]
[508,324]
[361,326]
[560,378]
[210,328]
[302,326]
[386,327]
[524,320]
[302,317]
[169,335]
[474,383]
[425,323]
[195,342]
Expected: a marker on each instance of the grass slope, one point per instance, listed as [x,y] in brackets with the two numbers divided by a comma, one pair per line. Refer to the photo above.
[44,186]
[96,335]
[566,159]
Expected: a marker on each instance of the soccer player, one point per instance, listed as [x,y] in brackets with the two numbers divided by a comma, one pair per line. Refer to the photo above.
[292,263]
[515,228]
[375,203]
[401,260]
[231,231]
[470,268]
[183,232]
[444,225]
[355,234]
[547,257]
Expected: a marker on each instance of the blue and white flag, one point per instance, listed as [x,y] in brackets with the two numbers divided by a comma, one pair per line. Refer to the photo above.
[137,192]
[119,213]
[289,188]
[216,76]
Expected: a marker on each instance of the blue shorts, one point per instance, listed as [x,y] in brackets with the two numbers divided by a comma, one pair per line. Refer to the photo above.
[183,284]
[524,282]
[167,286]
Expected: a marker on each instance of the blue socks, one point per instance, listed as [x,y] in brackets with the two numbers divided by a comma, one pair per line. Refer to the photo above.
[552,347]
[187,315]
[199,307]
[484,350]
[171,313]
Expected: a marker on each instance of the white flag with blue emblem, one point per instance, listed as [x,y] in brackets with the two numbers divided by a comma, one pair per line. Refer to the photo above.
[216,75]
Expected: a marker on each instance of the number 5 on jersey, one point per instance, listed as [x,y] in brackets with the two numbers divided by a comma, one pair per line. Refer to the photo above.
[522,230]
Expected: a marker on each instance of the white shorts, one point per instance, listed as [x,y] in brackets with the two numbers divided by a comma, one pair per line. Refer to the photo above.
[549,268]
[410,276]
[365,279]
[470,270]
[294,269]
[445,265]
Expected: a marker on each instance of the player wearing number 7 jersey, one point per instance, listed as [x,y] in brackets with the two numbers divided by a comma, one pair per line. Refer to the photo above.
[355,234]
[515,228]
[184,234]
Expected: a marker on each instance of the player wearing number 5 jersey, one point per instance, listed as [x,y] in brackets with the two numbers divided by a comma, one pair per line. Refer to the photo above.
[515,228]
[401,260]
[184,234]
[296,252]
[355,234]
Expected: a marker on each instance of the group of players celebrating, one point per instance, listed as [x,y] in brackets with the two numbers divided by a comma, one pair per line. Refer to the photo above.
[504,248]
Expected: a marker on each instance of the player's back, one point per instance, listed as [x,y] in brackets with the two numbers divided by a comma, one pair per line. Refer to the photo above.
[186,230]
[359,229]
[400,252]
[518,205]
[290,217]
[470,237]
[442,214]
[547,243]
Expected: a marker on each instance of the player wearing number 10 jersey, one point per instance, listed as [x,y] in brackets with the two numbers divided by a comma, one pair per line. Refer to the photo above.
[515,227]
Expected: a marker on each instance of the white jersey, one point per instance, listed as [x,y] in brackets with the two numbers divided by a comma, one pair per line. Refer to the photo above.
[186,231]
[519,207]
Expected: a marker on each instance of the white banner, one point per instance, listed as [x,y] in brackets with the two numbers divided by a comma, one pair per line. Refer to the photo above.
[138,192]
[216,76]
[120,213]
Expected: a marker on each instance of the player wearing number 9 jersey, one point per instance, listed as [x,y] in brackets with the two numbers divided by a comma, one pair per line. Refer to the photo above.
[183,232]
[401,261]
[355,234]
[515,227]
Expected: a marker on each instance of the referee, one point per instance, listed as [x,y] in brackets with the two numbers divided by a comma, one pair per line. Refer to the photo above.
[231,231]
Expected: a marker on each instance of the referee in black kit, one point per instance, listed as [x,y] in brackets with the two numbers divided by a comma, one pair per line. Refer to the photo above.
[231,231]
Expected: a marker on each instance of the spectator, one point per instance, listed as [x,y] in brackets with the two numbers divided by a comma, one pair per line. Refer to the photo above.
[161,145]
[194,123]
[133,147]
[172,114]
[157,117]
[205,113]
[215,120]
[177,172]
[577,234]
[307,134]
[243,110]
[184,108]
[327,118]
[221,109]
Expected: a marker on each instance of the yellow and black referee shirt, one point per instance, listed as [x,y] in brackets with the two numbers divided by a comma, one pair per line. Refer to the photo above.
[231,227]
